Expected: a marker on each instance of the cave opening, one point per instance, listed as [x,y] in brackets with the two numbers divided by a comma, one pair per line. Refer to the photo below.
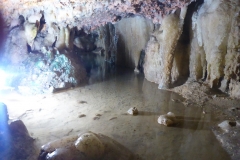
[122,79]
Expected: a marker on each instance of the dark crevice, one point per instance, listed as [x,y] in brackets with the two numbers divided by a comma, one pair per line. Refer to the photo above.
[218,85]
[29,48]
[42,23]
[232,124]
[227,87]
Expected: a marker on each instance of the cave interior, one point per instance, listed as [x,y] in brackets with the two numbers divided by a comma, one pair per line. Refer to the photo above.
[119,79]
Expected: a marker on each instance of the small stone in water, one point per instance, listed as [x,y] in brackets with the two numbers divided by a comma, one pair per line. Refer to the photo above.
[133,111]
[168,119]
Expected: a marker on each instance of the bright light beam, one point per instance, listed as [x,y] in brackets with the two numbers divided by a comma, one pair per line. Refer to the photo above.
[3,78]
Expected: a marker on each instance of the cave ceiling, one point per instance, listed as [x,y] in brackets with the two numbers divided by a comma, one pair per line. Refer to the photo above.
[87,13]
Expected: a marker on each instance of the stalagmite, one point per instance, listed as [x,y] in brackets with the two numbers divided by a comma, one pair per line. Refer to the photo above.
[162,45]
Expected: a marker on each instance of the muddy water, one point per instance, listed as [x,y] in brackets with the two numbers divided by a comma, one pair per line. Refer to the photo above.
[104,104]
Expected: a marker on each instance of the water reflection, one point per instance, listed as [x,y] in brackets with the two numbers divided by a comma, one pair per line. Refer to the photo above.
[191,138]
[110,98]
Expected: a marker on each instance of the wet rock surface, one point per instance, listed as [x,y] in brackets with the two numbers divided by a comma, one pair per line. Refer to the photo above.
[85,146]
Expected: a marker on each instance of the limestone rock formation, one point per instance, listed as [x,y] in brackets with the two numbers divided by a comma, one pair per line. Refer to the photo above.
[160,50]
[214,45]
[85,146]
[134,33]
[87,13]
[209,53]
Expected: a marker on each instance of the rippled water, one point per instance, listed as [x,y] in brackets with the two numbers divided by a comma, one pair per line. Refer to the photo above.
[53,116]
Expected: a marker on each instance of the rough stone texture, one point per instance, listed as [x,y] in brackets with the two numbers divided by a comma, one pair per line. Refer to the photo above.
[41,73]
[89,13]
[195,93]
[227,133]
[16,47]
[57,59]
[56,25]
[234,89]
[214,46]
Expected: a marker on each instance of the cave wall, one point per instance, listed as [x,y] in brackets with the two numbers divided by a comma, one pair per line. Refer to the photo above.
[211,55]
[215,45]
[134,34]
[163,52]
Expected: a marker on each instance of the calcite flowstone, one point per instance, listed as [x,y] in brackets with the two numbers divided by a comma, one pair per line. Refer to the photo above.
[85,146]
[160,49]
[134,33]
[214,55]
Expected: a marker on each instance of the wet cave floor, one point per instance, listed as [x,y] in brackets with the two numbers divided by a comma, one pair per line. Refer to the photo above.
[101,107]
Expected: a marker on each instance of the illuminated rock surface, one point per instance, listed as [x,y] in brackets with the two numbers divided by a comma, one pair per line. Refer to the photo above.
[85,146]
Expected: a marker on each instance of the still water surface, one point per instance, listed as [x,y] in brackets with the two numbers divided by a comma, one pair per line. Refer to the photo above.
[105,104]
